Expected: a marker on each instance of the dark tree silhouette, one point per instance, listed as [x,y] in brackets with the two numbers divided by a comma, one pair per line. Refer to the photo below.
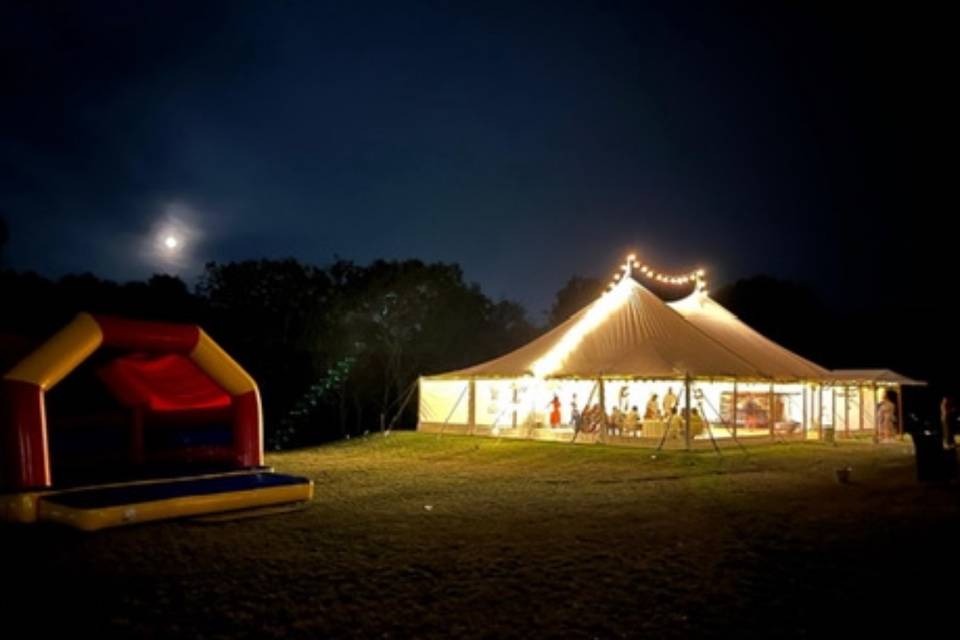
[575,295]
[786,312]
[4,236]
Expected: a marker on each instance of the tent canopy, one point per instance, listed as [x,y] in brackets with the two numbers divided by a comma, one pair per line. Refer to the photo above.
[766,355]
[627,332]
[874,376]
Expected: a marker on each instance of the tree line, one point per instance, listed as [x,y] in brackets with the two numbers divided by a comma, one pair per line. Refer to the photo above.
[335,349]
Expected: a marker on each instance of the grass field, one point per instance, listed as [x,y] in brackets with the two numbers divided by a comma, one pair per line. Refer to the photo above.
[418,536]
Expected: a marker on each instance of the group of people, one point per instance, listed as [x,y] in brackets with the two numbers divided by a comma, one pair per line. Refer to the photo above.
[654,411]
[622,420]
[590,416]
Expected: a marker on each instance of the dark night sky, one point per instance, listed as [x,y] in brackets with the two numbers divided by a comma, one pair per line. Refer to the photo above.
[528,143]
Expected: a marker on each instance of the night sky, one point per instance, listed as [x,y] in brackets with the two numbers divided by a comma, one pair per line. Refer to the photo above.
[527,142]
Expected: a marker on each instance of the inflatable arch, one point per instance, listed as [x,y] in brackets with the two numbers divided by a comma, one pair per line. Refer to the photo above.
[175,353]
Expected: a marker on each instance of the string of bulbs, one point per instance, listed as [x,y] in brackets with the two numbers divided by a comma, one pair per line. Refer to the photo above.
[697,276]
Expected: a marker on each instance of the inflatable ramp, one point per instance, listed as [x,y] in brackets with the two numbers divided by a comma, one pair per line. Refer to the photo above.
[101,507]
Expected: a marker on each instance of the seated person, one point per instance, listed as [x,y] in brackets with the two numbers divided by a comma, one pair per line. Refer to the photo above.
[653,409]
[786,426]
[697,424]
[678,423]
[592,418]
[631,421]
[616,422]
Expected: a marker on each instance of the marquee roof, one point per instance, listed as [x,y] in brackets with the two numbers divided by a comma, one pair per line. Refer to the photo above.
[766,355]
[627,332]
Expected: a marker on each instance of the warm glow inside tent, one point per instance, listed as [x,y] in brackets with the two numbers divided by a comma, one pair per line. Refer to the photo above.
[630,368]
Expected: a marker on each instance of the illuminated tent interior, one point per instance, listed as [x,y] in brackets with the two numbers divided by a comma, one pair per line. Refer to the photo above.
[611,366]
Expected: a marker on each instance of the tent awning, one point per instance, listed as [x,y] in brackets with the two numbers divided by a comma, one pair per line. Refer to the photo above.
[875,376]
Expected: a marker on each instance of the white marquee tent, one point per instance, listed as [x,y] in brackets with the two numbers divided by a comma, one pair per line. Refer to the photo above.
[627,346]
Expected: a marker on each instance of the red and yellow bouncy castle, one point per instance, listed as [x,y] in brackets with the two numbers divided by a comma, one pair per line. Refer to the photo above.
[164,376]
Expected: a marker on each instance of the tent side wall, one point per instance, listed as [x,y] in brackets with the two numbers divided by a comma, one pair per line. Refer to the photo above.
[443,403]
[520,408]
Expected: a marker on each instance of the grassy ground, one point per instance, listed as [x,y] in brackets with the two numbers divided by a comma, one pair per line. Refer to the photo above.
[418,536]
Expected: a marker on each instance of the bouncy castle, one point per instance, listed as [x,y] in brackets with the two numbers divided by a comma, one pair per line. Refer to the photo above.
[149,421]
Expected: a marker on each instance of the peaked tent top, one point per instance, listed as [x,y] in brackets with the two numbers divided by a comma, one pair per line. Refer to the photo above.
[766,355]
[627,332]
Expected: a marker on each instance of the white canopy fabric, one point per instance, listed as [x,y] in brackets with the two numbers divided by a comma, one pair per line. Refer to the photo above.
[764,354]
[628,332]
[874,376]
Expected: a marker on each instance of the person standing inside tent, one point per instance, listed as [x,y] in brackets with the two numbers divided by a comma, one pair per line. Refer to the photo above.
[653,408]
[631,423]
[555,412]
[669,402]
[886,417]
[624,398]
[574,413]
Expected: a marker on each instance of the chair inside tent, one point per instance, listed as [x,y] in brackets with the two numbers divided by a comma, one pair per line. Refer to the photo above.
[147,421]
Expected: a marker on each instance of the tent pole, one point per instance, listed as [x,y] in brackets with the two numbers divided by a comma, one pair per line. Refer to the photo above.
[583,413]
[472,405]
[403,405]
[686,435]
[833,411]
[820,412]
[805,387]
[899,388]
[734,408]
[771,415]
[455,405]
[603,410]
[846,410]
[860,396]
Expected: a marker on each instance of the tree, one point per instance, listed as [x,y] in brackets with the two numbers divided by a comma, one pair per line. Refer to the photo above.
[575,295]
[787,312]
[261,311]
[401,319]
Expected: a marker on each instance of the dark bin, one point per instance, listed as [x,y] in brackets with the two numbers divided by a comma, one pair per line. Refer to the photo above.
[934,462]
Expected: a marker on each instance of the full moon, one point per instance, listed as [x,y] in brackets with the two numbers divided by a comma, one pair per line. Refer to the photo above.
[173,239]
